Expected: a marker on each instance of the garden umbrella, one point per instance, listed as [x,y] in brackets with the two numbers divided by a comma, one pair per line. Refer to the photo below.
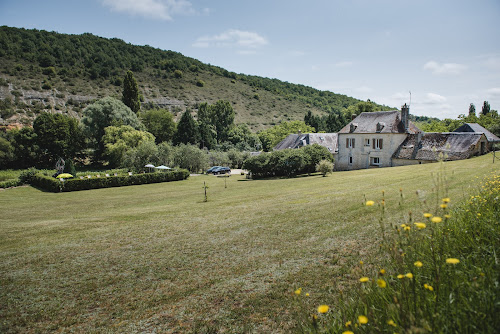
[150,166]
[64,176]
[162,167]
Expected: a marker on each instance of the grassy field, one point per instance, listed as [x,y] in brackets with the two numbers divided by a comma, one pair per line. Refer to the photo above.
[156,258]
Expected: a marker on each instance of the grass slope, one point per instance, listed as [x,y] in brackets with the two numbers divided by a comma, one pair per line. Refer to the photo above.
[157,258]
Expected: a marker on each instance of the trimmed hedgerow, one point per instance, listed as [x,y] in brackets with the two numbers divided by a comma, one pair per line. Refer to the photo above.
[54,185]
[10,183]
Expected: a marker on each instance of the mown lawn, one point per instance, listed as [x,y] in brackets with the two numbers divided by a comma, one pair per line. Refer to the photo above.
[156,258]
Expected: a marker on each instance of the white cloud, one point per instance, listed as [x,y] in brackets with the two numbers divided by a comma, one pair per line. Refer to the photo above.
[432,98]
[156,9]
[445,68]
[232,38]
[494,92]
[344,64]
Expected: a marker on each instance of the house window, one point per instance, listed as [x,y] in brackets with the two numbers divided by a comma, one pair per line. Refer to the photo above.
[350,160]
[367,141]
[349,143]
[377,144]
[374,161]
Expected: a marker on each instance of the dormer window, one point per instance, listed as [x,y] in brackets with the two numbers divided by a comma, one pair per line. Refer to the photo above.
[353,127]
[380,126]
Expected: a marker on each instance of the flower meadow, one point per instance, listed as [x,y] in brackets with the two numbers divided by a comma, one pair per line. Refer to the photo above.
[439,271]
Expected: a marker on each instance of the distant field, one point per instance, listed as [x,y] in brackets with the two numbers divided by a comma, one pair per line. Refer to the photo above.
[156,258]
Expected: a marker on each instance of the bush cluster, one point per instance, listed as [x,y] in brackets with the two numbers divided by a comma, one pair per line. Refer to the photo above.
[54,185]
[289,162]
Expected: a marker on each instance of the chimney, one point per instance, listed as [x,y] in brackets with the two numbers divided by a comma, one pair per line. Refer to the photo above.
[405,115]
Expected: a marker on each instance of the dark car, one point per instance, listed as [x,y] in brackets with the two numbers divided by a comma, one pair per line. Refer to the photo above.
[211,169]
[221,170]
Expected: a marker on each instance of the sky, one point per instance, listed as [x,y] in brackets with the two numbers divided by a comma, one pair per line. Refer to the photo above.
[440,55]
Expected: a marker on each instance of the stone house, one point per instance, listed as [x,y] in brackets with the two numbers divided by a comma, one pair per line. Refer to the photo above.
[294,140]
[431,147]
[372,138]
[474,127]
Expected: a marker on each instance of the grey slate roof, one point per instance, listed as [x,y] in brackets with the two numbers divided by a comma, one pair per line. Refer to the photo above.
[328,140]
[474,127]
[389,121]
[428,146]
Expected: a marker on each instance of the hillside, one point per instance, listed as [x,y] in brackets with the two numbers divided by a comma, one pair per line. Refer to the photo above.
[42,70]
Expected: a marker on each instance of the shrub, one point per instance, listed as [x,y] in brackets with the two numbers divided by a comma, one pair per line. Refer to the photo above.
[26,177]
[55,185]
[324,167]
[200,83]
[10,183]
[178,74]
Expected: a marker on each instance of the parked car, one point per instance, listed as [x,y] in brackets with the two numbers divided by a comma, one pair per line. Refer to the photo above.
[222,170]
[211,169]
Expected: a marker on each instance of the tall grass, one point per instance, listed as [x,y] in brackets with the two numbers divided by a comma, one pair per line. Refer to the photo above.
[438,271]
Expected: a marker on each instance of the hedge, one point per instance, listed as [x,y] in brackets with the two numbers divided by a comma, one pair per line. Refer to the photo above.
[55,185]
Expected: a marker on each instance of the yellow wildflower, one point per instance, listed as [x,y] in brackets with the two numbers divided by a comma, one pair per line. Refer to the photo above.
[428,287]
[407,228]
[452,261]
[420,225]
[370,203]
[361,262]
[381,283]
[418,264]
[444,206]
[478,214]
[427,215]
[403,225]
[362,319]
[382,272]
[447,216]
[349,323]
[307,294]
[446,200]
[364,279]
[298,291]
[400,276]
[347,332]
[409,275]
[323,308]
[391,323]
[436,219]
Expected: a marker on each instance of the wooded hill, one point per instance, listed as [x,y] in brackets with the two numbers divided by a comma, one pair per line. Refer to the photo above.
[42,70]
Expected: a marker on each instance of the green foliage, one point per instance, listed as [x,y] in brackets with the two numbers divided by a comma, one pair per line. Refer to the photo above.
[218,158]
[58,135]
[486,108]
[316,153]
[6,152]
[178,74]
[187,130]
[288,162]
[55,185]
[145,153]
[103,113]
[26,176]
[190,157]
[273,136]
[244,139]
[200,83]
[472,110]
[69,167]
[26,149]
[130,96]
[324,167]
[119,139]
[437,275]
[160,123]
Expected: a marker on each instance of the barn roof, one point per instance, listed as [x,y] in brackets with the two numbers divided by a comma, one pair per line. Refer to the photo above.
[379,122]
[328,140]
[429,146]
[474,127]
